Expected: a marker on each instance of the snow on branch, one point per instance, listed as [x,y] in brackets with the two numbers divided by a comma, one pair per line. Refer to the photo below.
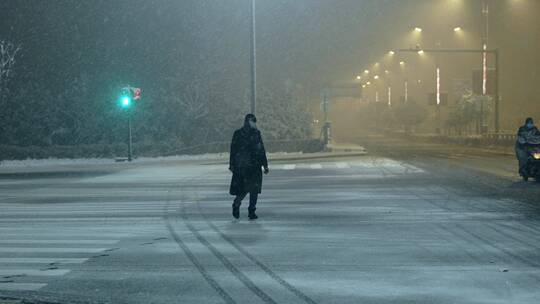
[8,51]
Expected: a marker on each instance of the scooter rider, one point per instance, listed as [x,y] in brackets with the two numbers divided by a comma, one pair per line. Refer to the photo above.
[527,135]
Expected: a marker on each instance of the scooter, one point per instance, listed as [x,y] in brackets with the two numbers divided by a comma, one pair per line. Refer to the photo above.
[532,168]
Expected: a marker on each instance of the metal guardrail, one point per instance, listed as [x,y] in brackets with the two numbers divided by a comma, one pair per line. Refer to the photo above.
[501,136]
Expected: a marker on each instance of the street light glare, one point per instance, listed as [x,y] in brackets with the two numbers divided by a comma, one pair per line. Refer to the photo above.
[376,77]
[391,52]
[368,83]
[421,52]
[366,71]
[402,63]
[457,29]
[418,29]
[359,77]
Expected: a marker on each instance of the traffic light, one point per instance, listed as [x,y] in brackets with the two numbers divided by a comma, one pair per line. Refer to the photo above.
[125,101]
[128,95]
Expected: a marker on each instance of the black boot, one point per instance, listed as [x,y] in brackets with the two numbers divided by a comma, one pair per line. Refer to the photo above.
[252,215]
[235,211]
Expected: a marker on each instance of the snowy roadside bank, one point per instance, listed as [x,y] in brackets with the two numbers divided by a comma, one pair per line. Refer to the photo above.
[105,161]
[8,166]
[15,165]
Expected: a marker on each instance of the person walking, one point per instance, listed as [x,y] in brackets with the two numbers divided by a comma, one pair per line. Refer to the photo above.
[246,159]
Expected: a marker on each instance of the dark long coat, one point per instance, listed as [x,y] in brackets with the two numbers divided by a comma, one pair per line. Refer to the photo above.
[246,159]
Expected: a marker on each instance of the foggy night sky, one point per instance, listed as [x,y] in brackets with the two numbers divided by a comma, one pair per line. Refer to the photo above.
[309,42]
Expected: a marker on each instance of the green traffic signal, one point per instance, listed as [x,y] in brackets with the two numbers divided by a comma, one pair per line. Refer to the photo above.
[125,102]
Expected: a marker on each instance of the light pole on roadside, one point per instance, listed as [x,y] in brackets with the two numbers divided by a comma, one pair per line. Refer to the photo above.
[496,54]
[253,60]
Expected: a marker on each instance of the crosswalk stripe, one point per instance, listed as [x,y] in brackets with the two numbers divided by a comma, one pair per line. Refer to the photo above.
[21,286]
[339,165]
[34,272]
[42,234]
[49,250]
[85,212]
[342,165]
[80,219]
[42,260]
[86,207]
[64,241]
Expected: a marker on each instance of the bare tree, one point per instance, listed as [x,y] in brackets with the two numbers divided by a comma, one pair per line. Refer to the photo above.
[8,51]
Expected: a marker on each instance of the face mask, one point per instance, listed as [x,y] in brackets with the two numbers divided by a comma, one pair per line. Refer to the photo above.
[530,125]
[252,124]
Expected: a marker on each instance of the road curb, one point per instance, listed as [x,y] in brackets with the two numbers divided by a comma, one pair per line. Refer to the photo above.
[292,158]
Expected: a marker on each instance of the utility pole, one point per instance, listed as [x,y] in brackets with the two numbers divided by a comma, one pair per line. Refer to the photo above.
[495,52]
[253,60]
[438,105]
[497,95]
[485,35]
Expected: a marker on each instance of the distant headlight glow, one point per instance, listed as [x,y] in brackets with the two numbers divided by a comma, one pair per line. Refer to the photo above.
[536,155]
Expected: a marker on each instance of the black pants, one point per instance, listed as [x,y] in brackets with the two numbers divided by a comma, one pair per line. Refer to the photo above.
[252,201]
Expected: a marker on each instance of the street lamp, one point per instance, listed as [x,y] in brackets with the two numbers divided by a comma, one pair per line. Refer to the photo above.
[253,59]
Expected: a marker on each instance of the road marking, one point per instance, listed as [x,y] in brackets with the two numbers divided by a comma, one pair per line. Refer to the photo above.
[80,219]
[42,260]
[315,166]
[33,272]
[81,212]
[54,241]
[342,165]
[50,250]
[79,204]
[289,166]
[40,234]
[21,286]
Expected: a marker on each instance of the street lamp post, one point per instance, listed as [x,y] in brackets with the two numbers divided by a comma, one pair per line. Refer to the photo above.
[253,60]
[495,52]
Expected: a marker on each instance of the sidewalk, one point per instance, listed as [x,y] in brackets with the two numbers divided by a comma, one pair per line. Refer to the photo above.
[345,147]
[334,150]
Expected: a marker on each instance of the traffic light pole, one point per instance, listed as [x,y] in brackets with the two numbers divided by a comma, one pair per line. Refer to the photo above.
[495,52]
[129,138]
